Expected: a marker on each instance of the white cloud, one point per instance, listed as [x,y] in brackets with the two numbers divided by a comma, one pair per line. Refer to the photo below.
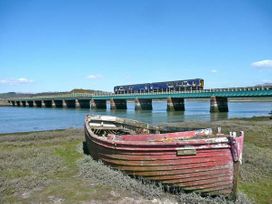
[213,70]
[267,81]
[94,76]
[21,80]
[263,64]
[24,81]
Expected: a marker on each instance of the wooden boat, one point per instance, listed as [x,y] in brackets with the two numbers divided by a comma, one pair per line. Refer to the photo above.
[193,160]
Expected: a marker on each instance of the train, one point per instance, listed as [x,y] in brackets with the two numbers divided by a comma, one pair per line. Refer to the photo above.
[178,85]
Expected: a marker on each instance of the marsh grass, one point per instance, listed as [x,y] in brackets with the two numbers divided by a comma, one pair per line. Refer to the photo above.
[142,188]
[29,163]
[28,169]
[50,167]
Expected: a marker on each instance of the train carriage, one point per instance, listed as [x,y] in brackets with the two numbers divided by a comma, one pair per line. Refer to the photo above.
[178,85]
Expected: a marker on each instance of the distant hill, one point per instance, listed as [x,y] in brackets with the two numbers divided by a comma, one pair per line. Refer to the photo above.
[14,94]
[87,91]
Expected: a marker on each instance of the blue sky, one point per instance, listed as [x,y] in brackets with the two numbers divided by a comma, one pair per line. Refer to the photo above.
[54,45]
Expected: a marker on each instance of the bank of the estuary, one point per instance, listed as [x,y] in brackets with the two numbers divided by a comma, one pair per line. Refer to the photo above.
[4,103]
[49,167]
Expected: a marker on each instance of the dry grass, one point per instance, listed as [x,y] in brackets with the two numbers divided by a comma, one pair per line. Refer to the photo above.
[142,189]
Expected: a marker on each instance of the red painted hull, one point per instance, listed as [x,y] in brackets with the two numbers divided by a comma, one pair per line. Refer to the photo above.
[206,165]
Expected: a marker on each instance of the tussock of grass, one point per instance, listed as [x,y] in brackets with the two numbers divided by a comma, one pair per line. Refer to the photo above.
[24,170]
[28,162]
[68,153]
[147,190]
[256,164]
[259,191]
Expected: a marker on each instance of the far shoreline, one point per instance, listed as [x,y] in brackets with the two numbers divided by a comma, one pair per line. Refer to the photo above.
[254,118]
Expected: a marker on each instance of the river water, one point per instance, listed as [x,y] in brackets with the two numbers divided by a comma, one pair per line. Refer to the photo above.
[23,119]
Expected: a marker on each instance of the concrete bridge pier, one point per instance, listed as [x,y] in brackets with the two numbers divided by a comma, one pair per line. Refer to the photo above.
[83,103]
[218,104]
[116,104]
[30,103]
[13,103]
[58,103]
[43,104]
[77,105]
[53,105]
[37,104]
[143,104]
[175,104]
[23,103]
[64,104]
[98,104]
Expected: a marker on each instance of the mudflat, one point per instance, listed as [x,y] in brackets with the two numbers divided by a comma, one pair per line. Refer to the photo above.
[50,167]
[4,103]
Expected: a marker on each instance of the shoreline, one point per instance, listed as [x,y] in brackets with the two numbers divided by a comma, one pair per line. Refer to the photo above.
[4,104]
[253,118]
[38,131]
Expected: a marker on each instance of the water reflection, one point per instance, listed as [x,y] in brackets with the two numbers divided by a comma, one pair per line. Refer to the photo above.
[144,115]
[218,116]
[175,116]
[118,111]
[18,119]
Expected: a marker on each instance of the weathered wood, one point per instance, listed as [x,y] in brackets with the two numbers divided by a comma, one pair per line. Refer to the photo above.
[192,160]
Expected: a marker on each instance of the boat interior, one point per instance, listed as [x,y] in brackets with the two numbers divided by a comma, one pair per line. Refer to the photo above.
[130,130]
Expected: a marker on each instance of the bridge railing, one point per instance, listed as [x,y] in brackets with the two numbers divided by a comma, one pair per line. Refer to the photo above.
[234,89]
[87,95]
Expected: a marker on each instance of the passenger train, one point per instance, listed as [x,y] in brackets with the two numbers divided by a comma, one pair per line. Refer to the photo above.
[178,85]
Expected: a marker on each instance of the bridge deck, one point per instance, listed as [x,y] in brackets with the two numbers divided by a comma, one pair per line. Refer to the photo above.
[207,93]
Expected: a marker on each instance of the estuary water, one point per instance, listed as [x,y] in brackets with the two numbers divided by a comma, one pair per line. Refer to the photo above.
[24,119]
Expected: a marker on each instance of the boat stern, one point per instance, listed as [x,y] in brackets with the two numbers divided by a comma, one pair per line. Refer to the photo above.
[237,145]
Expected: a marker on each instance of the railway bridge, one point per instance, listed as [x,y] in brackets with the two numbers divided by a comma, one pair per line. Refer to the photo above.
[143,101]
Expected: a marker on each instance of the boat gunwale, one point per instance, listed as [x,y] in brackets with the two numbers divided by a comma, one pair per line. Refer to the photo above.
[103,141]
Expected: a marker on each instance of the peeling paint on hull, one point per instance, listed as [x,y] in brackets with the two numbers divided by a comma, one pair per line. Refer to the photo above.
[211,168]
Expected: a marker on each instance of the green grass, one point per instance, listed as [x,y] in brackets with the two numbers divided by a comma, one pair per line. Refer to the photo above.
[259,191]
[68,154]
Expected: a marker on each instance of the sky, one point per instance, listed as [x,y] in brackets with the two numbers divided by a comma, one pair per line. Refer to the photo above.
[59,45]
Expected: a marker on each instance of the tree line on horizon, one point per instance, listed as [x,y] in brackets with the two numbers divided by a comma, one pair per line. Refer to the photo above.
[18,94]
